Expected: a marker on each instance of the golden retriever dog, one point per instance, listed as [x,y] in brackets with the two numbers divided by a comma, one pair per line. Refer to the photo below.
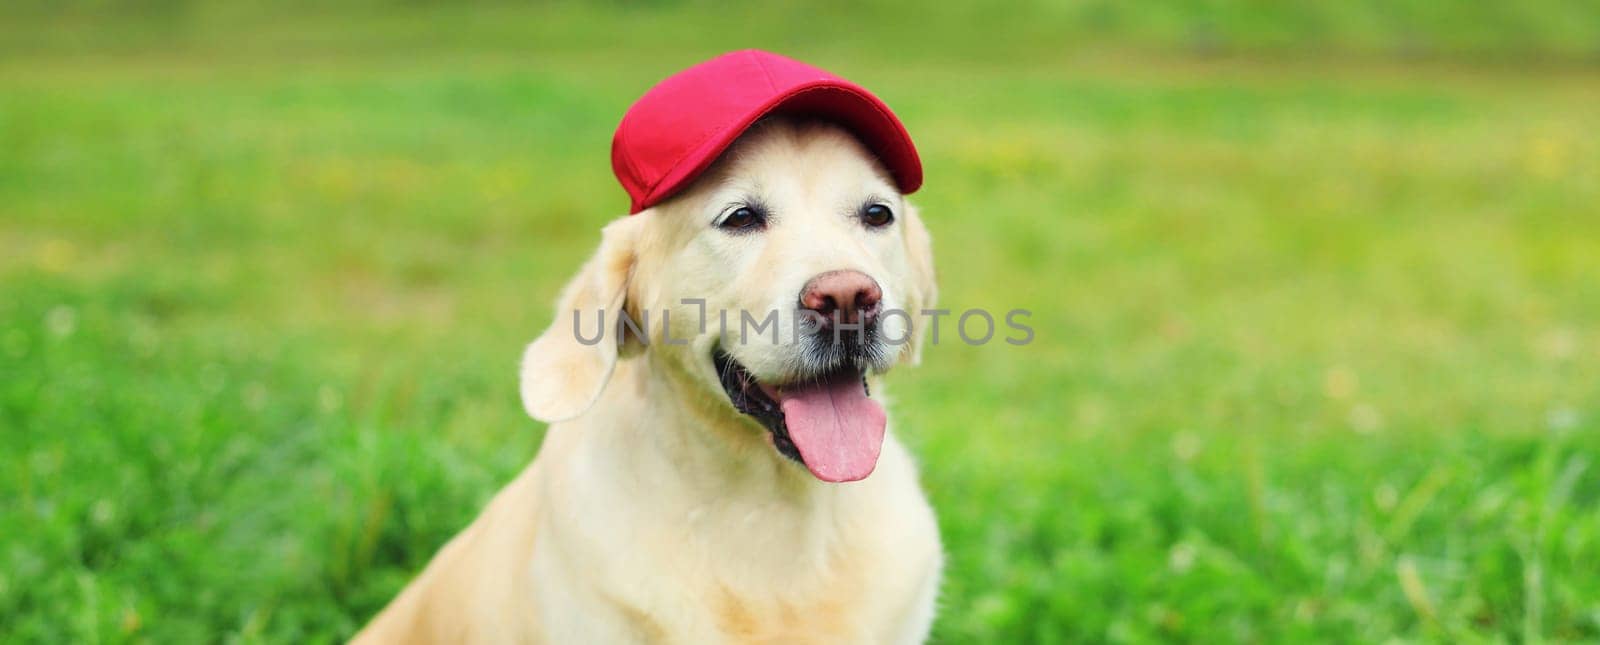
[705,480]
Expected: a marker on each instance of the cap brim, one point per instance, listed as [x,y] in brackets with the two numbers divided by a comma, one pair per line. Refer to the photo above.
[831,100]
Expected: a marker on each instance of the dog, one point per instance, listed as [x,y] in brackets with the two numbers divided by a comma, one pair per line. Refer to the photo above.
[699,485]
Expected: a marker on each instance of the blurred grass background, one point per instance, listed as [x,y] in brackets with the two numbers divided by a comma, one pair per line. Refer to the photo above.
[1316,286]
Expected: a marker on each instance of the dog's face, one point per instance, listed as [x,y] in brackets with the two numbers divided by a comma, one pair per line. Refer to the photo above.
[786,274]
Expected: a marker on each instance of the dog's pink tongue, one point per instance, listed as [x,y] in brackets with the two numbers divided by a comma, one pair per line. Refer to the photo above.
[836,427]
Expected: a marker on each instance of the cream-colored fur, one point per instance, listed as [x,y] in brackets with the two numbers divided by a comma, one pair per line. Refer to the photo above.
[655,512]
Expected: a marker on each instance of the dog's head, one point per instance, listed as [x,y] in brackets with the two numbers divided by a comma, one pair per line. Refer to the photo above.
[774,285]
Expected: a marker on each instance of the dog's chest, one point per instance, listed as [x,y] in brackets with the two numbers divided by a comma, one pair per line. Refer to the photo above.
[858,566]
[857,587]
[856,597]
[833,613]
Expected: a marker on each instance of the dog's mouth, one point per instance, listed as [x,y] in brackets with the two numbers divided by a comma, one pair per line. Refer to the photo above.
[827,422]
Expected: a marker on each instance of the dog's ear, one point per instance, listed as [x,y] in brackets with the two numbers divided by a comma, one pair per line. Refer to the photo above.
[924,288]
[567,367]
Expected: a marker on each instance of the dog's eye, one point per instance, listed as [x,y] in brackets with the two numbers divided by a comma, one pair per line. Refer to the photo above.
[877,215]
[743,218]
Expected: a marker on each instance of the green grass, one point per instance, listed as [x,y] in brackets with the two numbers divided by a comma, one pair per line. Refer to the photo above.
[1318,350]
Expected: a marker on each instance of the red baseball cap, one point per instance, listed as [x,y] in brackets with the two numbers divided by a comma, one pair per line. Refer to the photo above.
[678,128]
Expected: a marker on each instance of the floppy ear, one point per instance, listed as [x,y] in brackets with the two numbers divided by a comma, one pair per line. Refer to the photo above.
[924,291]
[567,367]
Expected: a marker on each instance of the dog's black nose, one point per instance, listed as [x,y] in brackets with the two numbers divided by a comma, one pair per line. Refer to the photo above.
[843,297]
